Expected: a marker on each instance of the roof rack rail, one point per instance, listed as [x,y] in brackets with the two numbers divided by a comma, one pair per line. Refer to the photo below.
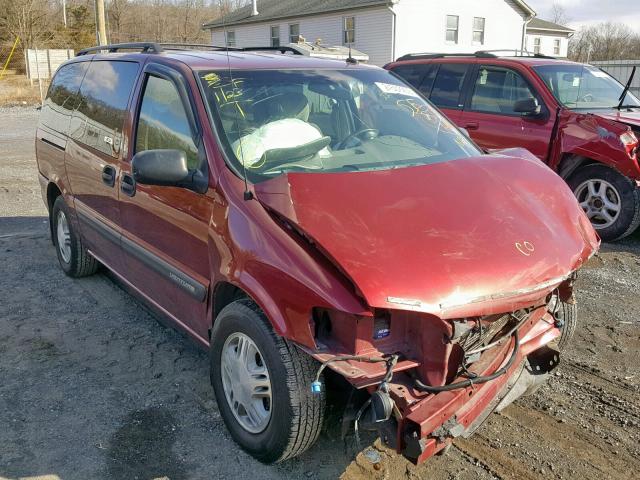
[519,53]
[186,46]
[145,47]
[283,49]
[426,56]
[153,47]
[478,54]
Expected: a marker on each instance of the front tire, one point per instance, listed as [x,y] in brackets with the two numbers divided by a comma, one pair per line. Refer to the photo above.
[262,385]
[567,314]
[73,256]
[610,200]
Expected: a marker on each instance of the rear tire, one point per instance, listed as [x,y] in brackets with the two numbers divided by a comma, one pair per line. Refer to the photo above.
[295,414]
[74,258]
[598,186]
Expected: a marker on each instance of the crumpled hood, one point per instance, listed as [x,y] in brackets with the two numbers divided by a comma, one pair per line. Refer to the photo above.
[437,237]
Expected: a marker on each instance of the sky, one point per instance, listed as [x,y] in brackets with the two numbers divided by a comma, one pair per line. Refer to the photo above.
[586,12]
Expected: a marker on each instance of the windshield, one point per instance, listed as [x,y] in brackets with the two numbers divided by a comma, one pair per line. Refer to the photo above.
[276,121]
[584,86]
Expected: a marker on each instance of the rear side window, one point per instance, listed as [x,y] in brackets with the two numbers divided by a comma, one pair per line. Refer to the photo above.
[104,96]
[62,97]
[419,76]
[448,85]
[497,90]
[163,122]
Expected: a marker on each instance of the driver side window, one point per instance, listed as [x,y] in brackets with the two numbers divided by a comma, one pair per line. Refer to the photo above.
[497,90]
[163,123]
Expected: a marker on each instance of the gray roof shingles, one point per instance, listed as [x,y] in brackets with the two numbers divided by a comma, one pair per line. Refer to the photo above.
[540,24]
[272,9]
[280,9]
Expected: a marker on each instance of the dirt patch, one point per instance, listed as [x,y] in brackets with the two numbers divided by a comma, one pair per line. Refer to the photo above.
[93,387]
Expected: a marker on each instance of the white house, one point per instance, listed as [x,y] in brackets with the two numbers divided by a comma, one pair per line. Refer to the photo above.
[548,38]
[383,29]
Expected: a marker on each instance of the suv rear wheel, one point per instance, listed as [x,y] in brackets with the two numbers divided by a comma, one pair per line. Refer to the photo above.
[73,257]
[610,200]
[262,385]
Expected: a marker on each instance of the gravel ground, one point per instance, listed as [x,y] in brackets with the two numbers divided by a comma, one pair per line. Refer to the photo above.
[93,387]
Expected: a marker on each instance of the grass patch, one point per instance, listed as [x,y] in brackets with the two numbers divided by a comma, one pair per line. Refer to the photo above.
[17,90]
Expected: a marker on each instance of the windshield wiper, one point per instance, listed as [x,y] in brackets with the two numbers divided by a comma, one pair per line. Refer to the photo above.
[626,89]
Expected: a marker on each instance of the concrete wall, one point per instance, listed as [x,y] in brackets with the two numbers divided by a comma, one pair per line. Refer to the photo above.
[44,63]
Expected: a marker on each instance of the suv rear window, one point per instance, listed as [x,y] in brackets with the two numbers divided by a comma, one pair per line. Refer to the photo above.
[104,96]
[448,85]
[62,97]
[420,76]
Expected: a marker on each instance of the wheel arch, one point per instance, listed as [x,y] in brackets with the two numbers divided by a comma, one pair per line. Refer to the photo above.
[288,318]
[224,293]
[570,163]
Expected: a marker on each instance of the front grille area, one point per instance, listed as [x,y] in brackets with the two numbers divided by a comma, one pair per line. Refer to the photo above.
[488,328]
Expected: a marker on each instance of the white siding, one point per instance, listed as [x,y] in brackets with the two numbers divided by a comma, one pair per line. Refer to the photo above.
[421,25]
[546,43]
[374,29]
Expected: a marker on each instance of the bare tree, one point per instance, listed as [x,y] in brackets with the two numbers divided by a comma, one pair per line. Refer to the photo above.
[605,41]
[28,19]
[558,14]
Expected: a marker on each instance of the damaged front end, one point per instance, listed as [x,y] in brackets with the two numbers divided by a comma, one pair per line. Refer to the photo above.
[432,380]
[461,293]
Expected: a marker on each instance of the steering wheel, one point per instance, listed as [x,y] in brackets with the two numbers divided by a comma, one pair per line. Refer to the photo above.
[356,138]
[587,98]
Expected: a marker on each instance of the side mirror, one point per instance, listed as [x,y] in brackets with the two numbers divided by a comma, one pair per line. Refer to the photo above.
[528,107]
[160,167]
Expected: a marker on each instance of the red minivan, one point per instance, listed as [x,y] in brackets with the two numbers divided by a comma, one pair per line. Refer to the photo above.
[574,117]
[304,218]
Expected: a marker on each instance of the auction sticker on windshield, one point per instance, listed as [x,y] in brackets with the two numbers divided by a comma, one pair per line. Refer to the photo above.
[396,89]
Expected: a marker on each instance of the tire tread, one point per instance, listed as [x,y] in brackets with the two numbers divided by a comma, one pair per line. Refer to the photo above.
[307,408]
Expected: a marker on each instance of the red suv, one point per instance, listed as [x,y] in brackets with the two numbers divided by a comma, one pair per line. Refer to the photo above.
[304,217]
[574,117]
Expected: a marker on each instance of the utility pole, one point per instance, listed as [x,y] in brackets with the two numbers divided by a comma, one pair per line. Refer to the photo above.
[64,12]
[100,25]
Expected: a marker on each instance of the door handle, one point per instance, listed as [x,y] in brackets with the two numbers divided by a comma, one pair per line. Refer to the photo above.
[109,175]
[128,185]
[472,126]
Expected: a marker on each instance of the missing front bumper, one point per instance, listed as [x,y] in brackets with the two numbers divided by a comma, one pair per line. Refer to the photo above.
[525,379]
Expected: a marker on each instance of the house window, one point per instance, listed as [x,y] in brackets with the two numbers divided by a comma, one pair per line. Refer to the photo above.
[231,39]
[349,29]
[536,45]
[275,36]
[556,47]
[452,28]
[478,31]
[294,32]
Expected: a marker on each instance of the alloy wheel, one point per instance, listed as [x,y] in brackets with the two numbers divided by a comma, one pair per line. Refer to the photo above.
[600,201]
